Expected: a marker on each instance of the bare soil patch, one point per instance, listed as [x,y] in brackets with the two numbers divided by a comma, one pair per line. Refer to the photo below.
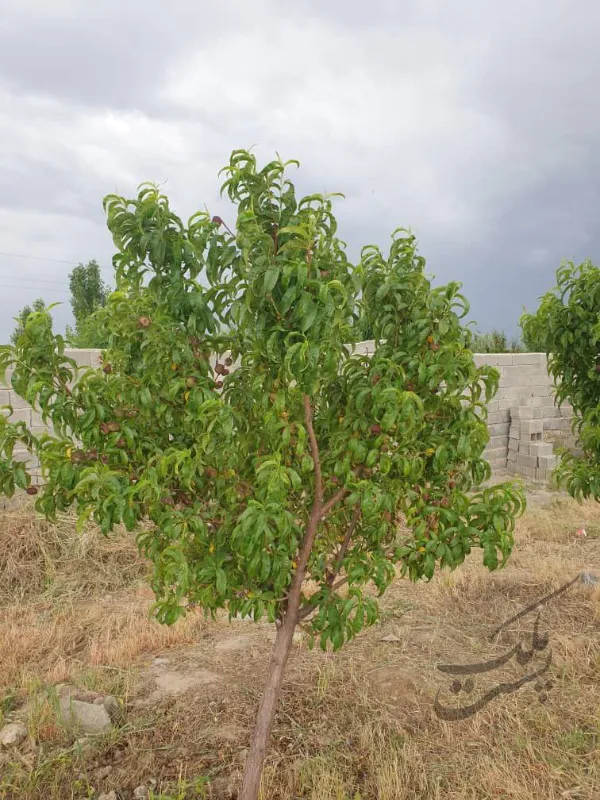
[357,725]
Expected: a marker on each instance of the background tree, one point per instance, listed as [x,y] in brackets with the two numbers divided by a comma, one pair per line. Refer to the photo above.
[21,318]
[495,342]
[533,338]
[567,327]
[88,296]
[305,461]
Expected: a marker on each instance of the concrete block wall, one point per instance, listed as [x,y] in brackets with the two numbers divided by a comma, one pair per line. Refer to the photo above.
[523,418]
[22,411]
[523,421]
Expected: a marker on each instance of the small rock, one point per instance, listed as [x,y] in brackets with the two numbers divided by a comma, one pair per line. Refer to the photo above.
[242,755]
[141,793]
[159,662]
[13,734]
[589,579]
[99,701]
[112,795]
[103,772]
[87,717]
[111,704]
[391,638]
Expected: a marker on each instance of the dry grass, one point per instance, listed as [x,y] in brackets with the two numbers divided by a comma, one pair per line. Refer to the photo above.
[359,725]
[71,601]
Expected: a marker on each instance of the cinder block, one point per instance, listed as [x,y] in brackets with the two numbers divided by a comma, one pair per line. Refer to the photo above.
[542,390]
[529,358]
[527,472]
[498,417]
[552,424]
[537,377]
[516,432]
[529,427]
[25,457]
[540,449]
[513,445]
[512,457]
[526,412]
[542,475]
[504,359]
[548,462]
[531,401]
[506,392]
[550,412]
[4,397]
[485,359]
[37,430]
[83,357]
[524,448]
[497,441]
[36,418]
[21,415]
[493,405]
[527,461]
[495,453]
[499,429]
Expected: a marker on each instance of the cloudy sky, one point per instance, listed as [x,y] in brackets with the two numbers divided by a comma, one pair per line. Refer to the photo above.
[474,123]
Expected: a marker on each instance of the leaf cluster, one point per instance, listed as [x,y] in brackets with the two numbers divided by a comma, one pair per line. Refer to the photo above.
[567,327]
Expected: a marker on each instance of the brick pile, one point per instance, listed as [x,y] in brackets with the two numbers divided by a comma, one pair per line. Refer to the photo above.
[524,380]
[528,454]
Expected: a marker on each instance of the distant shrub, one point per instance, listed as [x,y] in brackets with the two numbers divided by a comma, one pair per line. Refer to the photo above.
[496,342]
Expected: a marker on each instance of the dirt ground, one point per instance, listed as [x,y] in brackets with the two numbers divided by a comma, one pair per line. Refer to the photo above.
[356,725]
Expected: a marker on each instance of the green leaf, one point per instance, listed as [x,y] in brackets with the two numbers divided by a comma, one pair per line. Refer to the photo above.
[270,279]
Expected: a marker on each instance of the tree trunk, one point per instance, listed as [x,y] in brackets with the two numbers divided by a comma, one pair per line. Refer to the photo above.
[266,710]
[285,633]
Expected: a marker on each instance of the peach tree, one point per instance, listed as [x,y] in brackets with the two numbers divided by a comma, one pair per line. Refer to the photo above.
[567,327]
[269,468]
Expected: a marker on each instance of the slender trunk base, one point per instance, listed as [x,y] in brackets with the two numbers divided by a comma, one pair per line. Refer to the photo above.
[266,710]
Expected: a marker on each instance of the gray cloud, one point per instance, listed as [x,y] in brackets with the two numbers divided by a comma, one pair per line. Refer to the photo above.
[473,124]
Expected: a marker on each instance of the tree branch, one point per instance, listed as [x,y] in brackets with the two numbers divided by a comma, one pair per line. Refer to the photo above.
[314,449]
[326,507]
[337,564]
[310,607]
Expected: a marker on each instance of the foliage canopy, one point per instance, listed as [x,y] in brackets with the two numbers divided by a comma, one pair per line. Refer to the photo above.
[219,460]
[21,318]
[567,327]
[235,427]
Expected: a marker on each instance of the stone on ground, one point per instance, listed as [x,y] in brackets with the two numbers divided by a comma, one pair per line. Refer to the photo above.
[85,717]
[12,734]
